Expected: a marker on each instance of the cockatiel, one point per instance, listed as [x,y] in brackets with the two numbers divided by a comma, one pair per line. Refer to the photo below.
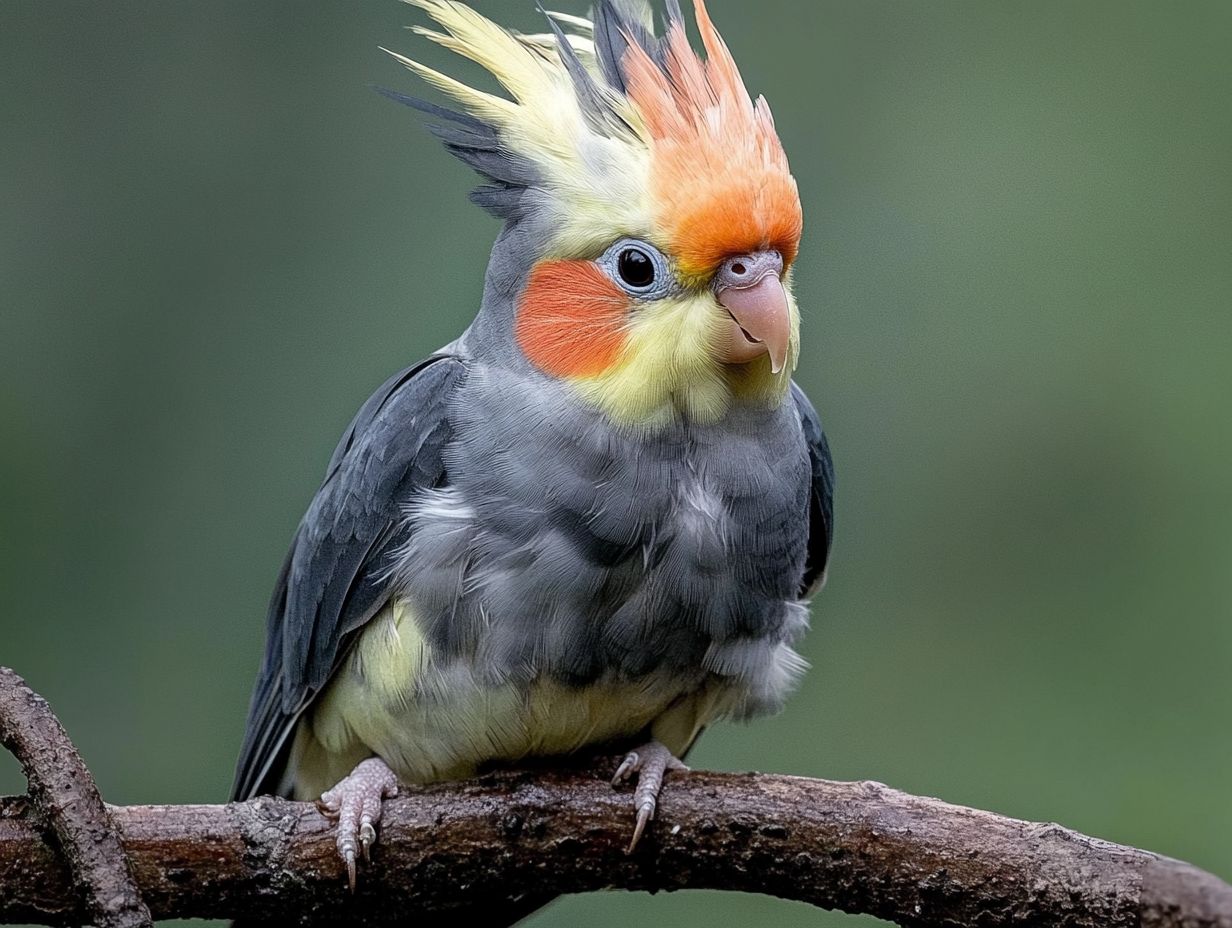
[593,519]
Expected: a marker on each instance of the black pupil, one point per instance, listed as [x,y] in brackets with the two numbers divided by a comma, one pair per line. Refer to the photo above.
[636,268]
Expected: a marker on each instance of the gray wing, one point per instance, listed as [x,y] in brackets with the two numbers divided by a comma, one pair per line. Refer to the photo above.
[332,580]
[821,500]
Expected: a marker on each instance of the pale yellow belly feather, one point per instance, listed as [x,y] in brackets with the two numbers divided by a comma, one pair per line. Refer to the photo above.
[431,725]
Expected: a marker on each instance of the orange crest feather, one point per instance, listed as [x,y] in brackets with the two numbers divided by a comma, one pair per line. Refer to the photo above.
[720,180]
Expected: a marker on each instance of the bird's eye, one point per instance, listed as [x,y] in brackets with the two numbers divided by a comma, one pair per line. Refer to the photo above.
[636,268]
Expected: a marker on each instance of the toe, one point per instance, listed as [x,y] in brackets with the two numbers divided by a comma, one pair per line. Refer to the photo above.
[330,803]
[629,766]
[651,763]
[355,804]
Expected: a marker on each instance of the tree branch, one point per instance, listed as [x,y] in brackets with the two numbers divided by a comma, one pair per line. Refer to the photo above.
[860,847]
[509,842]
[64,794]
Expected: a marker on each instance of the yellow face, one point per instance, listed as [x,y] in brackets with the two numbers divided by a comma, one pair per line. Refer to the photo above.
[671,364]
[649,345]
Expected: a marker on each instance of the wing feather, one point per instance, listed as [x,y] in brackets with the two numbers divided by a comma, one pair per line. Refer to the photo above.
[332,581]
[821,500]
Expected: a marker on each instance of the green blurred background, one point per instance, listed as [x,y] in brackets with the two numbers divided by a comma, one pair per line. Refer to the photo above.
[216,240]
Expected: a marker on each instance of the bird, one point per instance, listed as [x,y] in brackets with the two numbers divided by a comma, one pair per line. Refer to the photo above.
[599,516]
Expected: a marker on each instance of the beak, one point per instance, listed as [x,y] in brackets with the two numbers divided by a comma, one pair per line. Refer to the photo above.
[750,288]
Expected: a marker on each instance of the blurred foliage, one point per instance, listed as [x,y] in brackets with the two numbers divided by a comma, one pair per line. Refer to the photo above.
[215,241]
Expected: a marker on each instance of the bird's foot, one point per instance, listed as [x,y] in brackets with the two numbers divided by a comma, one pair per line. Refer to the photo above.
[650,762]
[355,803]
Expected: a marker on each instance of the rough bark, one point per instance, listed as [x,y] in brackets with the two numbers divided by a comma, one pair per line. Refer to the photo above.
[860,847]
[62,790]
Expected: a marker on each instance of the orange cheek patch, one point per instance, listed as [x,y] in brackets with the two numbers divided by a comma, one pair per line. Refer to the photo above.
[570,319]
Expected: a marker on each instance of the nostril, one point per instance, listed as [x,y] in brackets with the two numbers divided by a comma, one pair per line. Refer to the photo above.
[745,270]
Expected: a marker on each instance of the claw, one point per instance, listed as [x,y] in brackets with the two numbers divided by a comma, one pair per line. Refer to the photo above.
[348,856]
[650,762]
[627,768]
[644,814]
[355,805]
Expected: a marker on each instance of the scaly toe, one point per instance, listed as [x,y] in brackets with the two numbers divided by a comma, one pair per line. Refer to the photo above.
[355,805]
[629,766]
[651,763]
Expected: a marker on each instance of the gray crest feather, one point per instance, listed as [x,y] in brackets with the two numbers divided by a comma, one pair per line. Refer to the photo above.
[477,144]
[616,23]
[600,116]
[615,26]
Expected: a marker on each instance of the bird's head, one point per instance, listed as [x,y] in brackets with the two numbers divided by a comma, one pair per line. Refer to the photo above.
[651,217]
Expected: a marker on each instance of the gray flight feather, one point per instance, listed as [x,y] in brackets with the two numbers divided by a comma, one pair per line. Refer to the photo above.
[330,584]
[821,501]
